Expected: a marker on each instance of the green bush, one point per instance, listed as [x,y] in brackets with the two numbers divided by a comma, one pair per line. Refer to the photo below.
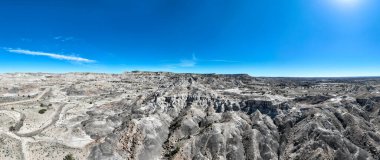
[42,111]
[69,157]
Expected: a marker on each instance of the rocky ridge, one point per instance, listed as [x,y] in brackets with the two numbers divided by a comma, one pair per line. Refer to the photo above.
[159,115]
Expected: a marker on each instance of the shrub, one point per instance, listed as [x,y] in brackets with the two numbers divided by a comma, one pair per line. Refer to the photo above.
[12,128]
[42,111]
[69,157]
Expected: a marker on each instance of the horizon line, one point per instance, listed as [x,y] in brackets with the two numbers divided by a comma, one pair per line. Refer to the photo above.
[201,73]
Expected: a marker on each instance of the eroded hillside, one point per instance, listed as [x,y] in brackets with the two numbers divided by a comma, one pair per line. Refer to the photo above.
[146,115]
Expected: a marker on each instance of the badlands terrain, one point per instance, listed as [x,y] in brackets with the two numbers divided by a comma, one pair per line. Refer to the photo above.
[158,115]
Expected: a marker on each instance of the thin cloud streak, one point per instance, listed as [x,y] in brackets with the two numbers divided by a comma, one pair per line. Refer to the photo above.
[222,60]
[64,39]
[193,62]
[51,55]
[189,62]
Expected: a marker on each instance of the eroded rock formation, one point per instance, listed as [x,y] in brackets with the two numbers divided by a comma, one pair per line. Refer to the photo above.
[146,115]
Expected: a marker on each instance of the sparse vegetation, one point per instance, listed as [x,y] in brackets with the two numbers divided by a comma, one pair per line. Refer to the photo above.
[42,111]
[12,128]
[69,157]
[208,115]
[172,153]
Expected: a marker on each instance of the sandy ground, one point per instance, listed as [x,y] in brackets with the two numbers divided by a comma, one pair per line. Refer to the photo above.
[50,135]
[10,148]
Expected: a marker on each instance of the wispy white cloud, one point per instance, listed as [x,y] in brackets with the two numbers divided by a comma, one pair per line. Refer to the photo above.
[222,60]
[188,62]
[51,55]
[194,61]
[63,39]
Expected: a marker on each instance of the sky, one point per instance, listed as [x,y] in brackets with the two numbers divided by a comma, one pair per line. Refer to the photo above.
[297,38]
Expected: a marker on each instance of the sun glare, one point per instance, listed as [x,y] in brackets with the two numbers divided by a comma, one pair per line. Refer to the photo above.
[348,3]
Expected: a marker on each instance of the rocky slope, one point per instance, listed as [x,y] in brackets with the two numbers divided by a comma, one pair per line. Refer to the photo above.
[149,115]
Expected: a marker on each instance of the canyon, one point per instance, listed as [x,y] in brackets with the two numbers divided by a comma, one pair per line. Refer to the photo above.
[163,115]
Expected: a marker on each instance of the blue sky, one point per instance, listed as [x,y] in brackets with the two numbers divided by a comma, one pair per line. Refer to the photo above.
[258,37]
